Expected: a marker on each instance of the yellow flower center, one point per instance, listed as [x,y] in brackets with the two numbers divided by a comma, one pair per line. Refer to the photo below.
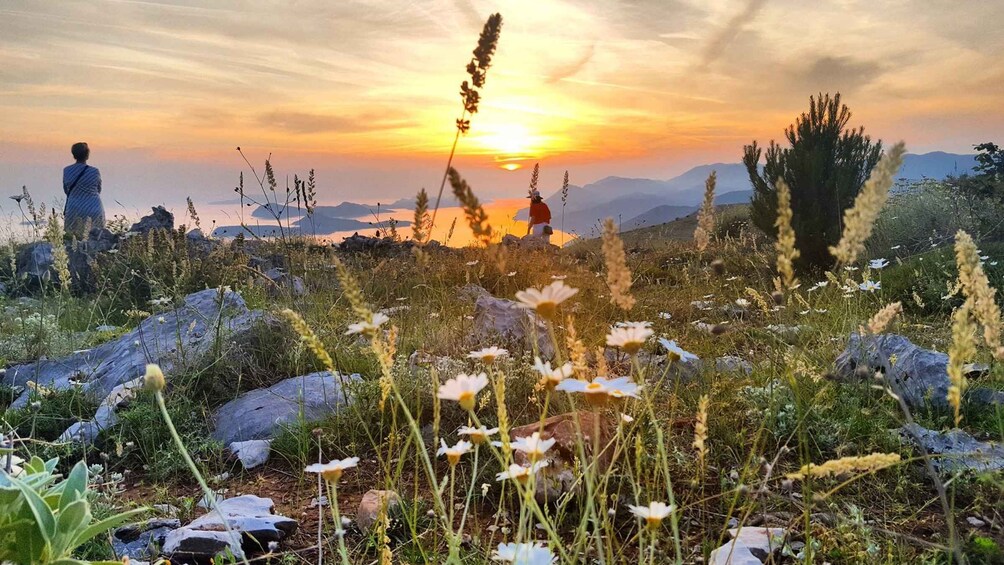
[466,400]
[596,394]
[453,457]
[478,437]
[332,475]
[547,309]
[487,359]
[653,522]
[631,347]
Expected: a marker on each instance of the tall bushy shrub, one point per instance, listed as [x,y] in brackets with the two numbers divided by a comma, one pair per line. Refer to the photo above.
[825,166]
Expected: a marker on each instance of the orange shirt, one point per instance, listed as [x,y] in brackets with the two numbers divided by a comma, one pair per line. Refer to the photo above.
[539,213]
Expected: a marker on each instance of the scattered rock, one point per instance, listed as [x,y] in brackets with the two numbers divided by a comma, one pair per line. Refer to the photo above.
[261,414]
[172,339]
[526,242]
[560,476]
[370,505]
[250,516]
[733,365]
[957,450]
[975,522]
[702,305]
[360,243]
[160,219]
[253,452]
[749,546]
[500,319]
[919,376]
[143,540]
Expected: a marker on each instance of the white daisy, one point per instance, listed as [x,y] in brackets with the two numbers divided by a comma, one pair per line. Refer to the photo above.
[368,327]
[463,389]
[521,473]
[532,445]
[477,435]
[488,355]
[545,301]
[653,514]
[870,286]
[676,352]
[552,377]
[472,263]
[629,338]
[665,315]
[453,453]
[878,264]
[601,389]
[332,470]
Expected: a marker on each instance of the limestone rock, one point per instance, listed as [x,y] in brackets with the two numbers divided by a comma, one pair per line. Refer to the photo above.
[186,545]
[370,505]
[919,375]
[159,219]
[143,540]
[261,414]
[249,516]
[35,263]
[527,242]
[560,475]
[252,453]
[498,319]
[277,281]
[749,546]
[173,339]
[85,432]
[958,450]
[733,365]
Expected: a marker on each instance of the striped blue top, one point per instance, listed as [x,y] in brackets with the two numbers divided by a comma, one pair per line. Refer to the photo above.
[83,199]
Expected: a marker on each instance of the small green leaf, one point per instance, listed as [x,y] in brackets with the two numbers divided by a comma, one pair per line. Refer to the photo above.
[105,525]
[44,519]
[71,521]
[74,485]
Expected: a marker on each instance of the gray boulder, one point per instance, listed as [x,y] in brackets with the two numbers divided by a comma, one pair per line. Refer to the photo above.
[143,540]
[173,339]
[277,281]
[262,413]
[186,545]
[919,376]
[498,319]
[955,450]
[35,263]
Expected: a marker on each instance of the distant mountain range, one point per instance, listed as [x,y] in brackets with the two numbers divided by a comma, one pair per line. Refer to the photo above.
[632,202]
[639,202]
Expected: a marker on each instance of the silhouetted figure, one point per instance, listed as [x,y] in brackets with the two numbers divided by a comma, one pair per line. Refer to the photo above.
[82,186]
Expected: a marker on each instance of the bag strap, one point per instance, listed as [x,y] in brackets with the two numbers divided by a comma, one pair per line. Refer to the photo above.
[73,184]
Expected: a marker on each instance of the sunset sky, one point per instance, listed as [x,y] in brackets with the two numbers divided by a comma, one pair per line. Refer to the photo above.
[366,92]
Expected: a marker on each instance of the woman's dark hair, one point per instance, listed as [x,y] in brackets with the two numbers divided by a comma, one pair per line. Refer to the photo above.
[80,151]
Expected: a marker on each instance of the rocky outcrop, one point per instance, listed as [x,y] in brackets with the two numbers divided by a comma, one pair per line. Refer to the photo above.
[956,450]
[250,519]
[205,320]
[253,452]
[362,243]
[262,413]
[160,219]
[919,376]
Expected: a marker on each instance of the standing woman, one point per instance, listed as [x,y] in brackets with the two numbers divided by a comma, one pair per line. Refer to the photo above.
[82,186]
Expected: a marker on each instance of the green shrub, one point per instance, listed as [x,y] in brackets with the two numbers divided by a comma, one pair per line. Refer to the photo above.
[45,521]
[932,277]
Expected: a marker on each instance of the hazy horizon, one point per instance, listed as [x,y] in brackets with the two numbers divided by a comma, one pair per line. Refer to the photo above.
[365,92]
